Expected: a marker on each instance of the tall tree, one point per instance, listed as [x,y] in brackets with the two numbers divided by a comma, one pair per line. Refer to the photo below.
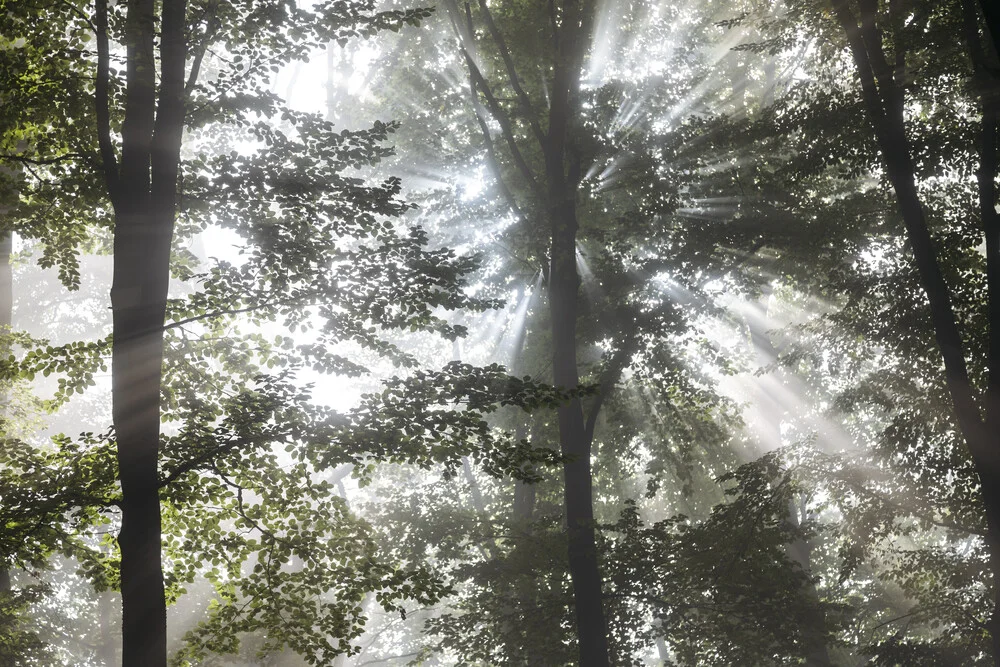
[556,190]
[586,176]
[323,247]
[143,192]
[879,43]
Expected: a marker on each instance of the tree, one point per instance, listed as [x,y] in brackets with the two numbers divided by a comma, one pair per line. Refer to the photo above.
[869,35]
[628,234]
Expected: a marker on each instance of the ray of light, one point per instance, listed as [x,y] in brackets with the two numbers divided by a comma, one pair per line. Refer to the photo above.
[591,287]
[511,338]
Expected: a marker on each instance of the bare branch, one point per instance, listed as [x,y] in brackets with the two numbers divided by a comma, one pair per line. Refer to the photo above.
[478,83]
[515,83]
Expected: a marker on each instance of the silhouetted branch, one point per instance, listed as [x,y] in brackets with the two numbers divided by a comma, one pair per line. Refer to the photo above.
[515,83]
[102,99]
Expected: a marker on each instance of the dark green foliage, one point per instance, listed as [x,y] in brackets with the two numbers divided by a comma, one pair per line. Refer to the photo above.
[19,644]
[725,589]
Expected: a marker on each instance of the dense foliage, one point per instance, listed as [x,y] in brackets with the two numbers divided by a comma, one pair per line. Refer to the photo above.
[545,333]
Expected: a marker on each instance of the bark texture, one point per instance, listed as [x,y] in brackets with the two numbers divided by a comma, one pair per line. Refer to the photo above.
[143,193]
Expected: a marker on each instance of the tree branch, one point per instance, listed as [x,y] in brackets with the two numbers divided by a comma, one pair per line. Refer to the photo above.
[478,83]
[24,159]
[199,56]
[504,120]
[515,83]
[862,63]
[101,99]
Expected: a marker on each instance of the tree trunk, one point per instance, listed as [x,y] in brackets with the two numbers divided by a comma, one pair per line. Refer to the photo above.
[814,631]
[574,445]
[563,172]
[137,355]
[979,436]
[6,318]
[813,627]
[143,192]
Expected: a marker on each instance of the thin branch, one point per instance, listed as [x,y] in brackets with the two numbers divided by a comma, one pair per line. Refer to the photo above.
[79,12]
[199,56]
[193,464]
[102,99]
[515,83]
[24,159]
[478,83]
[613,372]
[220,313]
[491,156]
[863,63]
[871,34]
[504,120]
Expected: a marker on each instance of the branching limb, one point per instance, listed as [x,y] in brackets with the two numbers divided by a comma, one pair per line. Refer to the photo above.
[478,84]
[478,81]
[102,98]
[515,82]
[24,159]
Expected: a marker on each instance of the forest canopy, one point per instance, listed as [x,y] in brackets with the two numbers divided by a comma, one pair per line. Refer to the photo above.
[493,332]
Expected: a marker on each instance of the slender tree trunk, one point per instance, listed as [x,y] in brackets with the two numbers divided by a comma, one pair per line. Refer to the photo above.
[814,630]
[563,172]
[883,98]
[7,294]
[6,318]
[989,468]
[980,437]
[143,192]
[575,446]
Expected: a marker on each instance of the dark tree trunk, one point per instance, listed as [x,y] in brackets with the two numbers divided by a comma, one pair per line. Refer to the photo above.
[137,355]
[980,436]
[575,446]
[6,318]
[991,13]
[562,171]
[143,192]
[986,64]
